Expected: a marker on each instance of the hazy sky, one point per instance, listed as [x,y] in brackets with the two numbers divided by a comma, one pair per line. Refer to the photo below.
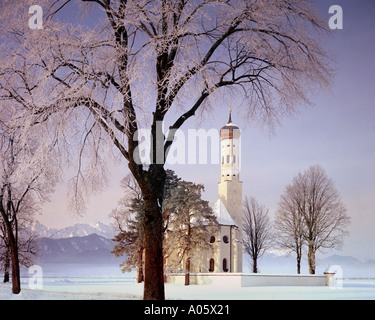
[338,133]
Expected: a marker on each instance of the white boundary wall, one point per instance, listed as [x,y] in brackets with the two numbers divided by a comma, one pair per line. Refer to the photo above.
[252,280]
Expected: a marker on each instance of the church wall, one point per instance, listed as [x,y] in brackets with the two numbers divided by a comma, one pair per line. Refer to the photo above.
[230,193]
[253,280]
[223,247]
[224,242]
[238,250]
[226,245]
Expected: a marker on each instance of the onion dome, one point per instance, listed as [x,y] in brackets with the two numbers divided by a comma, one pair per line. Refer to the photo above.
[230,130]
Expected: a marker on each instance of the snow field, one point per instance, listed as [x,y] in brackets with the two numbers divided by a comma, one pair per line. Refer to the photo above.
[125,288]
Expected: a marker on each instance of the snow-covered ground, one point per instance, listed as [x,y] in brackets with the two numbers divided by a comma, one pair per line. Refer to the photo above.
[124,287]
[84,281]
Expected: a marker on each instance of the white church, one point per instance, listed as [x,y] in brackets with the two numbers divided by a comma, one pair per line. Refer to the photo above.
[228,207]
[226,237]
[211,265]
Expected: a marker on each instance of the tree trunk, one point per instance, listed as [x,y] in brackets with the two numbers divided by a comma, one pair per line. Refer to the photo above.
[13,250]
[13,247]
[154,273]
[140,277]
[299,258]
[16,281]
[188,233]
[298,265]
[151,183]
[311,260]
[6,266]
[255,265]
[187,272]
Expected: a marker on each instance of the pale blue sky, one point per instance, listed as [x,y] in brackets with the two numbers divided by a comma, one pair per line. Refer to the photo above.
[338,133]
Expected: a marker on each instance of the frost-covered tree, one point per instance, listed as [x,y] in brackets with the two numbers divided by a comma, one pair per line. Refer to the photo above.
[27,177]
[28,244]
[257,230]
[316,204]
[290,228]
[94,85]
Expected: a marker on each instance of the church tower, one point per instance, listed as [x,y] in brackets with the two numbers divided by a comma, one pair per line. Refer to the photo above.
[230,186]
[225,251]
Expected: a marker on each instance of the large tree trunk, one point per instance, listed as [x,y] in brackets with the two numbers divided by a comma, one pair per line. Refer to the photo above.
[151,183]
[154,273]
[311,260]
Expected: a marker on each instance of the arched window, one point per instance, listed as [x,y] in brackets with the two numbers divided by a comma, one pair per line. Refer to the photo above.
[212,265]
[225,267]
[234,158]
[222,160]
[212,239]
[225,239]
[228,157]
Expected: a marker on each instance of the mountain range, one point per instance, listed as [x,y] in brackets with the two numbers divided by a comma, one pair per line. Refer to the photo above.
[85,244]
[91,249]
[91,245]
[77,230]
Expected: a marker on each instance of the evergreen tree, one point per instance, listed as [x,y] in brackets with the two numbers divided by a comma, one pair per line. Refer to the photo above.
[128,217]
[186,235]
[185,217]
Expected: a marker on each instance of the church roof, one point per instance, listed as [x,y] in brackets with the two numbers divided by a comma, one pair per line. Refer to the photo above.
[230,130]
[222,214]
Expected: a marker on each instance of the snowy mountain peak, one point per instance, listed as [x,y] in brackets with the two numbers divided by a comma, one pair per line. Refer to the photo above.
[77,230]
[41,229]
[103,228]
